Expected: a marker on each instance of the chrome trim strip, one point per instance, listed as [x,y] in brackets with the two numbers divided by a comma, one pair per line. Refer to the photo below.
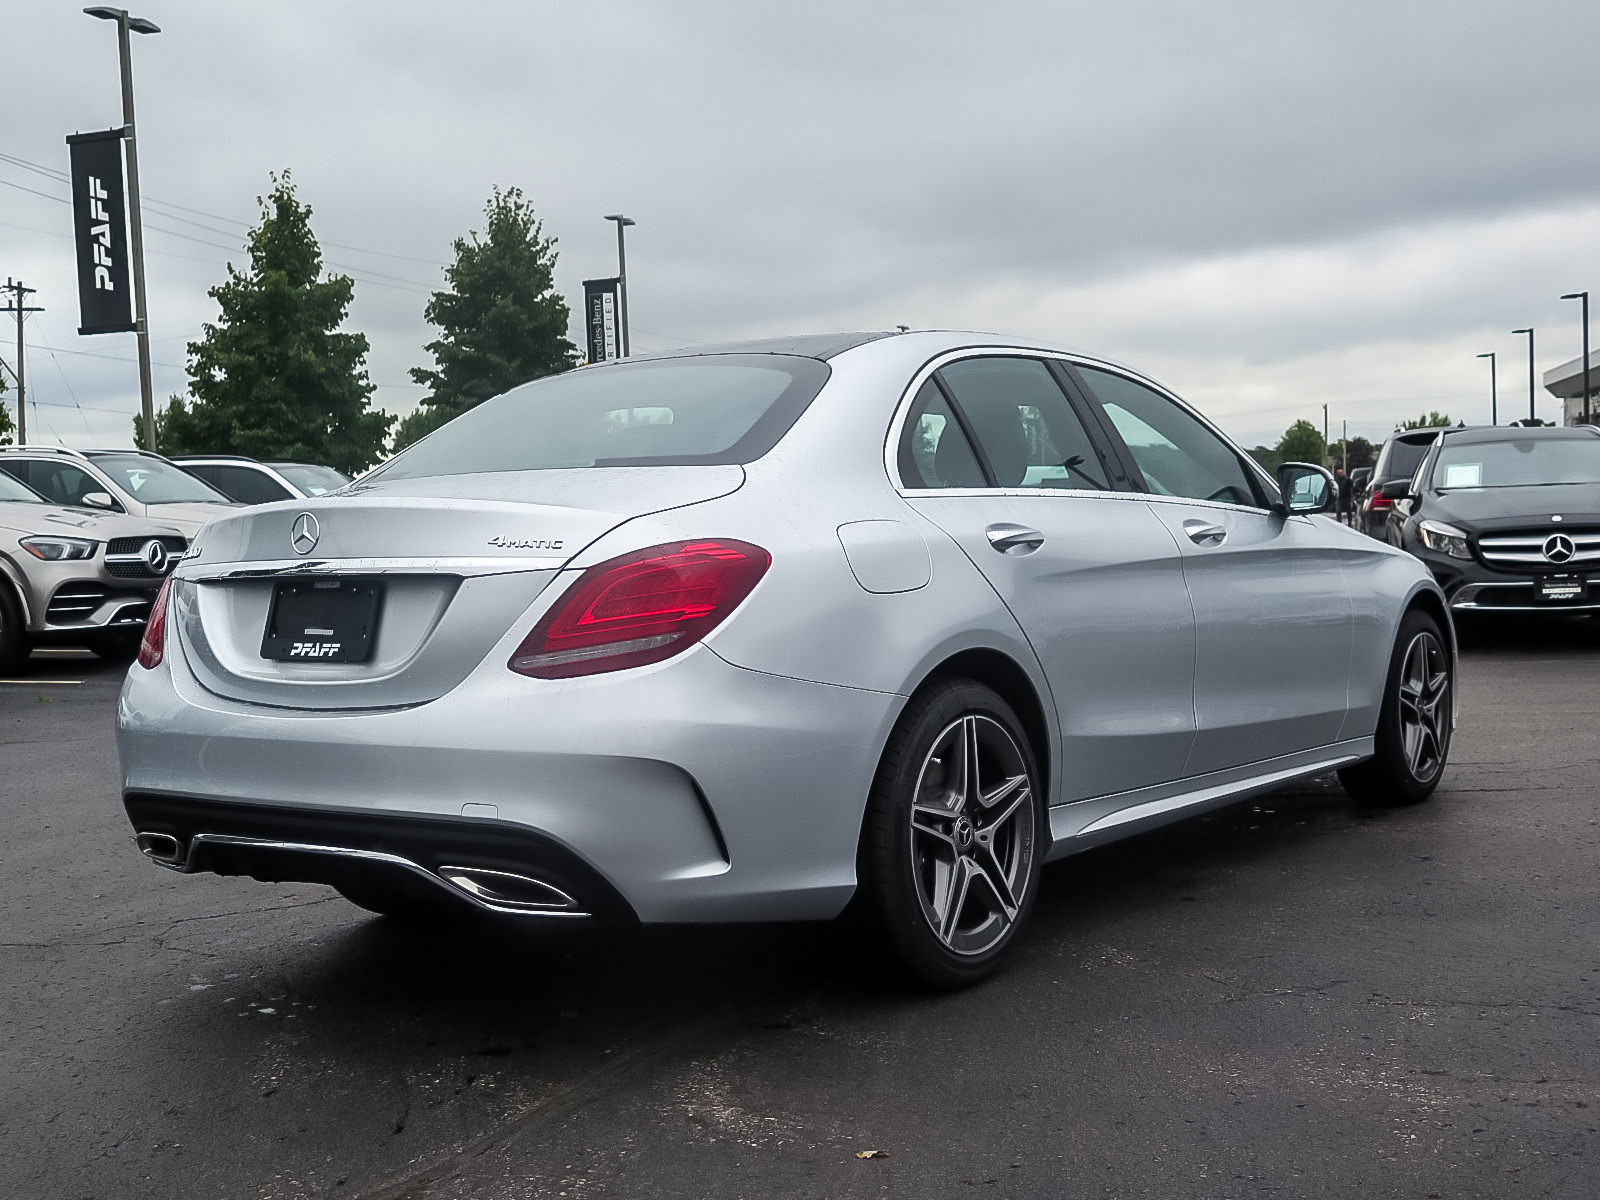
[285,568]
[187,867]
[1466,600]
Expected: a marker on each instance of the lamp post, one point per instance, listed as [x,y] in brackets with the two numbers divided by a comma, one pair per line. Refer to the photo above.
[1584,296]
[622,275]
[125,23]
[1531,392]
[1494,390]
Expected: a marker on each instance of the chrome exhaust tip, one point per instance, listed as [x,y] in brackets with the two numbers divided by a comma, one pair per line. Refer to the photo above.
[163,847]
[511,893]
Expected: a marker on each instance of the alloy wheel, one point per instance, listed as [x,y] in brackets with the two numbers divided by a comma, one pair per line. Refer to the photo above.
[973,834]
[1425,705]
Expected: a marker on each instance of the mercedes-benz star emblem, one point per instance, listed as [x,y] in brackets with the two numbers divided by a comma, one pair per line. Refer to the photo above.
[1558,548]
[156,557]
[304,533]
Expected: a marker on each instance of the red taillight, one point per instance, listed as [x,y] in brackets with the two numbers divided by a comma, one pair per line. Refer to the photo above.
[1379,500]
[641,608]
[154,645]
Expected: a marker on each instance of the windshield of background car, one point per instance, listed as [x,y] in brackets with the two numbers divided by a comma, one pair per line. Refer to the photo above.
[154,480]
[15,489]
[715,408]
[312,480]
[1517,463]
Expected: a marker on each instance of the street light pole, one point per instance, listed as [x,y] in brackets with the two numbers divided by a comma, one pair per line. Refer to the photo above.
[622,276]
[1584,296]
[125,23]
[1529,332]
[1494,389]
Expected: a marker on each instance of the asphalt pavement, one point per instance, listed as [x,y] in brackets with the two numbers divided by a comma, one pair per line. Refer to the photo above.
[1290,998]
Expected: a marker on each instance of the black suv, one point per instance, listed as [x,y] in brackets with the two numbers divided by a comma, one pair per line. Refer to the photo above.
[1507,519]
[1397,463]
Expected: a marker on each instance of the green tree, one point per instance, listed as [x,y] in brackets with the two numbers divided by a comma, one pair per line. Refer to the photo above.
[501,322]
[1301,442]
[1428,420]
[7,429]
[273,378]
[1267,457]
[174,404]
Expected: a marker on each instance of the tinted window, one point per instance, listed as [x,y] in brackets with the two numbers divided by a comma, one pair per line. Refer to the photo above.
[1517,463]
[934,453]
[1401,459]
[12,488]
[717,408]
[1024,424]
[154,480]
[58,482]
[1176,454]
[250,486]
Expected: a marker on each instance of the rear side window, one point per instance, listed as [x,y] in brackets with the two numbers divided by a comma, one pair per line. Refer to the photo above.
[1404,458]
[1025,427]
[934,452]
[249,486]
[707,409]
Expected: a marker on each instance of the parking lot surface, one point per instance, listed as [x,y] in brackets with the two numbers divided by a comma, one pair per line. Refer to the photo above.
[1288,998]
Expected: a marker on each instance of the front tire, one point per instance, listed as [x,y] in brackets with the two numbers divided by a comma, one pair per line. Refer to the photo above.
[14,644]
[1412,741]
[953,837]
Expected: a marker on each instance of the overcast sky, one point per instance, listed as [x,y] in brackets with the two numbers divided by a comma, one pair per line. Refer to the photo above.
[1267,206]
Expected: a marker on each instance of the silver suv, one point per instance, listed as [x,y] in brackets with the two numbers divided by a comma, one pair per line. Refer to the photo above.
[75,575]
[121,481]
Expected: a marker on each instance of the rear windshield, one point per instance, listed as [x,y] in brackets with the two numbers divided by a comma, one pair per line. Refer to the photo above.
[310,479]
[1517,463]
[1405,458]
[715,408]
[155,480]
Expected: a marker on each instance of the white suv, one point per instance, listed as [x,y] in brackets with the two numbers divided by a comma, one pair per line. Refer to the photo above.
[122,481]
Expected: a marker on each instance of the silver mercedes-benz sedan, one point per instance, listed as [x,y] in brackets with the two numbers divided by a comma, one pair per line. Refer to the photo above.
[875,624]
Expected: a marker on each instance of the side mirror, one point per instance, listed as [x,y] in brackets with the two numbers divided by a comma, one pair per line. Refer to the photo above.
[99,500]
[1398,490]
[1305,489]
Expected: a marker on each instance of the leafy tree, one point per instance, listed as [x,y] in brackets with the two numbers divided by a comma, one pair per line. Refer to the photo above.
[501,323]
[1267,457]
[1428,420]
[1301,442]
[173,403]
[7,429]
[272,378]
[1359,449]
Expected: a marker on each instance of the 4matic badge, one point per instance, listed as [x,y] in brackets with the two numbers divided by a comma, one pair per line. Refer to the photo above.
[507,543]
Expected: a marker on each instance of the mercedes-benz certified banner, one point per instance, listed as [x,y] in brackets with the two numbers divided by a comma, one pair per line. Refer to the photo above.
[600,318]
[105,295]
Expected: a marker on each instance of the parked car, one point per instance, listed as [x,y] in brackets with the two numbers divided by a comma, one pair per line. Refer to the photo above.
[75,575]
[250,481]
[759,632]
[1397,462]
[1508,520]
[121,481]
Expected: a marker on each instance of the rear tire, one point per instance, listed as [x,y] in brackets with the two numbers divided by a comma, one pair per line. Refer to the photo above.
[953,838]
[14,644]
[1412,741]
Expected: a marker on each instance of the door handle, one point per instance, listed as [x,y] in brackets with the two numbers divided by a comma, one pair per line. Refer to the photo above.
[1014,539]
[1202,534]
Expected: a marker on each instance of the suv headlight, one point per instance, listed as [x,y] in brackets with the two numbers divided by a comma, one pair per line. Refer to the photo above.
[1446,539]
[59,549]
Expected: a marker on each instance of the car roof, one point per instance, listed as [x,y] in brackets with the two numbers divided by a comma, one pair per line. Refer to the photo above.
[1521,433]
[816,345]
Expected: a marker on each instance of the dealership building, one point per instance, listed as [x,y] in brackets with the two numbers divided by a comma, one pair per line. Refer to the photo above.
[1566,383]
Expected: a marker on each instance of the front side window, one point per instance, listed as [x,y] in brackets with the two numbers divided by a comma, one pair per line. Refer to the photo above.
[1024,424]
[698,410]
[58,482]
[1176,453]
[12,488]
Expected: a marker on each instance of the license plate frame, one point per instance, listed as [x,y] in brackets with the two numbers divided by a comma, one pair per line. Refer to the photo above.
[321,620]
[1561,589]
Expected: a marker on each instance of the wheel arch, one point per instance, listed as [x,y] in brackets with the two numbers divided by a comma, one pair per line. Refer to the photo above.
[1005,676]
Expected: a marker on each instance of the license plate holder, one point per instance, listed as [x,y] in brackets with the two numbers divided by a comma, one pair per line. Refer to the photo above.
[1561,589]
[322,620]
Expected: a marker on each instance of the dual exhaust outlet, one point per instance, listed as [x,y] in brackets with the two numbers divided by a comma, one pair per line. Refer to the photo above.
[497,891]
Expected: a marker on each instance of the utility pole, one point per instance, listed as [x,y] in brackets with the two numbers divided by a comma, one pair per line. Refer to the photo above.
[622,276]
[19,305]
[125,23]
[1324,435]
[1344,442]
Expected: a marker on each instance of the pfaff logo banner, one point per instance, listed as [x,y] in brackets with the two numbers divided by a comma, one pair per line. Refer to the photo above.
[313,649]
[99,223]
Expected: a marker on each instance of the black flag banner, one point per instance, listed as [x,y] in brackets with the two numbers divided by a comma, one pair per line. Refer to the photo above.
[105,297]
[600,318]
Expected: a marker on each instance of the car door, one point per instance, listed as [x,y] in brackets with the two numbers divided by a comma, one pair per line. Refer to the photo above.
[1273,616]
[992,451]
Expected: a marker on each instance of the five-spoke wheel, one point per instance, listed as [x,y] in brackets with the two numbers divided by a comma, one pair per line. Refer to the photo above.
[1412,740]
[950,852]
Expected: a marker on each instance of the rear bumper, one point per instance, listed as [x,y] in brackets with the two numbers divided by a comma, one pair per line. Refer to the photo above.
[689,791]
